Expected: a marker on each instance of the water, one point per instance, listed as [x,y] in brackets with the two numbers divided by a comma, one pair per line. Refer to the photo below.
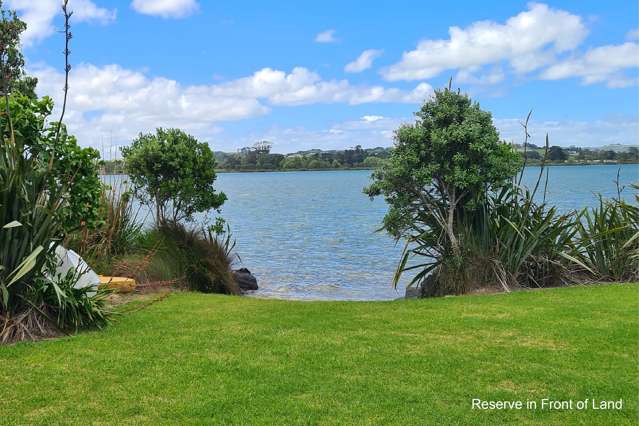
[311,235]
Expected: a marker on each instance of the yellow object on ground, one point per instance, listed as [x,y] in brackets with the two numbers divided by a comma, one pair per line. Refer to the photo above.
[119,284]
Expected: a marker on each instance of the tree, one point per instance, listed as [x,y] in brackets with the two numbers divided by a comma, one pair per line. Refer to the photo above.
[533,155]
[557,153]
[372,162]
[32,129]
[173,172]
[441,164]
[71,164]
[293,162]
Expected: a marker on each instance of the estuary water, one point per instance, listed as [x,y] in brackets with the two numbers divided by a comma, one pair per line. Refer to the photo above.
[312,235]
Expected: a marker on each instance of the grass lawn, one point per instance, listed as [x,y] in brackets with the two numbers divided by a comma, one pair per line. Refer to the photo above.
[194,358]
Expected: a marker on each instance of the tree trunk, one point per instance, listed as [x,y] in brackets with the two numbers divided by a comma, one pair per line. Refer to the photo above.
[450,228]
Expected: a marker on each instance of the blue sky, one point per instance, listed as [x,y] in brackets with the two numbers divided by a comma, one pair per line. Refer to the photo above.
[233,73]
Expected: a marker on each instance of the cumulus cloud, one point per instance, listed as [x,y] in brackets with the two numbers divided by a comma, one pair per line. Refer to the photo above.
[372,118]
[526,41]
[302,86]
[605,64]
[491,77]
[40,14]
[118,102]
[364,61]
[633,34]
[327,36]
[165,8]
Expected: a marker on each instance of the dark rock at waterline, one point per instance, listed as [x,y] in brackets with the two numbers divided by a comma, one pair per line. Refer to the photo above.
[245,280]
[413,292]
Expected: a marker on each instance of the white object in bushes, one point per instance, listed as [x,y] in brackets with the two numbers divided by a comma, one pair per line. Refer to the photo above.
[68,259]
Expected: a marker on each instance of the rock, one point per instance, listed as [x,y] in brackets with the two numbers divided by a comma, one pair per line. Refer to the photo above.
[413,292]
[245,279]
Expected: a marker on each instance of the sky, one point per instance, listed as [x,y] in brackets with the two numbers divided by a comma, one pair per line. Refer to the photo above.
[335,74]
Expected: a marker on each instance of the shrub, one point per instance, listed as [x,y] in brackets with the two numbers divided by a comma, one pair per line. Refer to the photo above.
[75,166]
[173,172]
[119,231]
[441,169]
[206,260]
[606,245]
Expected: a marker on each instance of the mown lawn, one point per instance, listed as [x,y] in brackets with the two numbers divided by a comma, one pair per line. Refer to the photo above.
[194,358]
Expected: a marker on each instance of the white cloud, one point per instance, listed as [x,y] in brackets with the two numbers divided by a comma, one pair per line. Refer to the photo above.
[327,36]
[372,118]
[112,101]
[302,86]
[39,16]
[592,133]
[526,41]
[166,8]
[633,34]
[338,136]
[493,76]
[86,10]
[607,64]
[364,61]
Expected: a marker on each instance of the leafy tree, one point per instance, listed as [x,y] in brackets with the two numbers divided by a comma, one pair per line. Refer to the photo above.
[533,155]
[31,128]
[373,162]
[557,153]
[441,164]
[173,172]
[293,162]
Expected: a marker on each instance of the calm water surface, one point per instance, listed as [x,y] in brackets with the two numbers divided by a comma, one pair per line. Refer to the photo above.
[312,235]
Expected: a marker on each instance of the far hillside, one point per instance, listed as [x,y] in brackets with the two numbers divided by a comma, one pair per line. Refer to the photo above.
[260,158]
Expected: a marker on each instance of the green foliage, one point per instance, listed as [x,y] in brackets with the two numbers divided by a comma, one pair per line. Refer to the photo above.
[11,59]
[70,164]
[373,162]
[606,246]
[70,308]
[26,198]
[454,198]
[444,161]
[516,240]
[205,259]
[556,153]
[34,304]
[119,231]
[47,186]
[174,173]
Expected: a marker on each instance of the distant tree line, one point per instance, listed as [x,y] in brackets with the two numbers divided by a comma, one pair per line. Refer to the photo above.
[557,154]
[260,157]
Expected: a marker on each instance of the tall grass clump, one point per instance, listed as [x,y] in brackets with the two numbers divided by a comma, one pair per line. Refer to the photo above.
[606,243]
[119,232]
[205,259]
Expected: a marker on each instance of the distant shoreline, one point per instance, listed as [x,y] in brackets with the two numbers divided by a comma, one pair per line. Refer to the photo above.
[535,164]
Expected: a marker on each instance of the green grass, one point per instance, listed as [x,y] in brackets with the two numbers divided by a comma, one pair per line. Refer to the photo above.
[195,358]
